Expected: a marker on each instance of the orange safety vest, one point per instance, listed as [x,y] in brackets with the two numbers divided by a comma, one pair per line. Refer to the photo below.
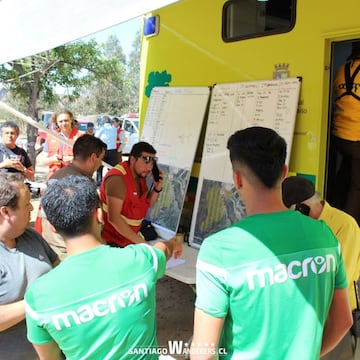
[134,207]
[56,147]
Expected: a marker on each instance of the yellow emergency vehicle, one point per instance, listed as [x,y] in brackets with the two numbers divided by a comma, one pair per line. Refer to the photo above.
[202,42]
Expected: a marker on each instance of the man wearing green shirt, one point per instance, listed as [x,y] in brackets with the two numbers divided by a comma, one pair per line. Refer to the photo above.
[100,302]
[272,285]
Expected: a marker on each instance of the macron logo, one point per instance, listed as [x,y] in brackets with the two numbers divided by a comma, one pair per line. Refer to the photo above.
[101,307]
[294,270]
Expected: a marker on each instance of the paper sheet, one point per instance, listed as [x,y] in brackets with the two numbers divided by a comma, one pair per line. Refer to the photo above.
[174,262]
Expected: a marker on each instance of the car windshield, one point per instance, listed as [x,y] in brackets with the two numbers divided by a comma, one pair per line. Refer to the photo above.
[82,126]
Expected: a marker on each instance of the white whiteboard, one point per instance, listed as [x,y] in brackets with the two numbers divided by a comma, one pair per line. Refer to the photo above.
[173,123]
[235,106]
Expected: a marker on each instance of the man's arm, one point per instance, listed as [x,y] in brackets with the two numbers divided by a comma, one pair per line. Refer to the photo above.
[56,263]
[338,322]
[114,210]
[207,331]
[45,160]
[29,173]
[49,351]
[11,314]
[170,247]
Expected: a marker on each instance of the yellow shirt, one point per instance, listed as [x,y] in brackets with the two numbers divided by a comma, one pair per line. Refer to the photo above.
[346,120]
[347,231]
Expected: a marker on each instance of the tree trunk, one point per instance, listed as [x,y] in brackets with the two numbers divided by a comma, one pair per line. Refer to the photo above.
[33,113]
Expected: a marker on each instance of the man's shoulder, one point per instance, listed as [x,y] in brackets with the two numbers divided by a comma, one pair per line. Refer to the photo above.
[31,242]
[71,169]
[336,218]
[118,170]
[30,233]
[19,150]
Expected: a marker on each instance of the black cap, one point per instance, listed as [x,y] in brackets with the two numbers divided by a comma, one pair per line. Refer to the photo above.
[140,147]
[296,189]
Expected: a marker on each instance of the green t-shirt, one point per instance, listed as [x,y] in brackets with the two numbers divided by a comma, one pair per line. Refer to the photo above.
[99,304]
[272,277]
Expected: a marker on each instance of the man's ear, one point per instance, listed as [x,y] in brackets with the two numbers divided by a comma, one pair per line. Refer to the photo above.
[238,180]
[99,215]
[4,211]
[284,172]
[132,159]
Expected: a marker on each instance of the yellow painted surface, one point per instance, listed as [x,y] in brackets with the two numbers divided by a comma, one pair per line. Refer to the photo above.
[190,48]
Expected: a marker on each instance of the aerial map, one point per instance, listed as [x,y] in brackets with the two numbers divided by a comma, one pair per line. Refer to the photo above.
[167,210]
[219,207]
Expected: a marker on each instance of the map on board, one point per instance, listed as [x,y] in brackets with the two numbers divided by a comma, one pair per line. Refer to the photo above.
[165,212]
[220,207]
[235,106]
[173,123]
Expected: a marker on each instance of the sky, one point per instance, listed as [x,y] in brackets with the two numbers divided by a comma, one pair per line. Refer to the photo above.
[125,32]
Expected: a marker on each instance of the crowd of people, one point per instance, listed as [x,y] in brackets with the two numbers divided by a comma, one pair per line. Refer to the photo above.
[274,285]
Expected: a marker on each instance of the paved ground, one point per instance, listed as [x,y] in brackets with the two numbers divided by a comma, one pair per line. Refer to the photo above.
[175,300]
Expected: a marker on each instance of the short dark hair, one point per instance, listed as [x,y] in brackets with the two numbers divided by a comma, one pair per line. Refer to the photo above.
[11,124]
[9,189]
[261,150]
[90,124]
[69,205]
[86,145]
[140,147]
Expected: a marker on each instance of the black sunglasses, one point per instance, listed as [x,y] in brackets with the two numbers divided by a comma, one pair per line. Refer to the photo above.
[148,159]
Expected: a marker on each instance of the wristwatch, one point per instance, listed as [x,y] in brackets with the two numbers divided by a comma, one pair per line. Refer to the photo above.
[157,191]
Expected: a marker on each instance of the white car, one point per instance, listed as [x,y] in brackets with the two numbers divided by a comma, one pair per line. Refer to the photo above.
[130,125]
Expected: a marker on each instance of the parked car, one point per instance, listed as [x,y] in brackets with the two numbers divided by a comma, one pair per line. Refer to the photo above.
[83,124]
[130,124]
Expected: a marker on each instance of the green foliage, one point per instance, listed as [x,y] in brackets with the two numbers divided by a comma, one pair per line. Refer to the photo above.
[85,72]
[85,77]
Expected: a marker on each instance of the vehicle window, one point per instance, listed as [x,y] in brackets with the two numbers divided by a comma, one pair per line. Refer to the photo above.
[243,19]
[83,127]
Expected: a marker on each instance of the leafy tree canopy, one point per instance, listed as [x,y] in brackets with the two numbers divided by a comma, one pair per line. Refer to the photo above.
[92,78]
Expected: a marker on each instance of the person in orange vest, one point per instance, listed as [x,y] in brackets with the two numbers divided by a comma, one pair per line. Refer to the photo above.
[126,198]
[57,154]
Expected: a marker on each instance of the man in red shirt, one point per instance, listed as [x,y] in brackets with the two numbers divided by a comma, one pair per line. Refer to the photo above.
[126,197]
